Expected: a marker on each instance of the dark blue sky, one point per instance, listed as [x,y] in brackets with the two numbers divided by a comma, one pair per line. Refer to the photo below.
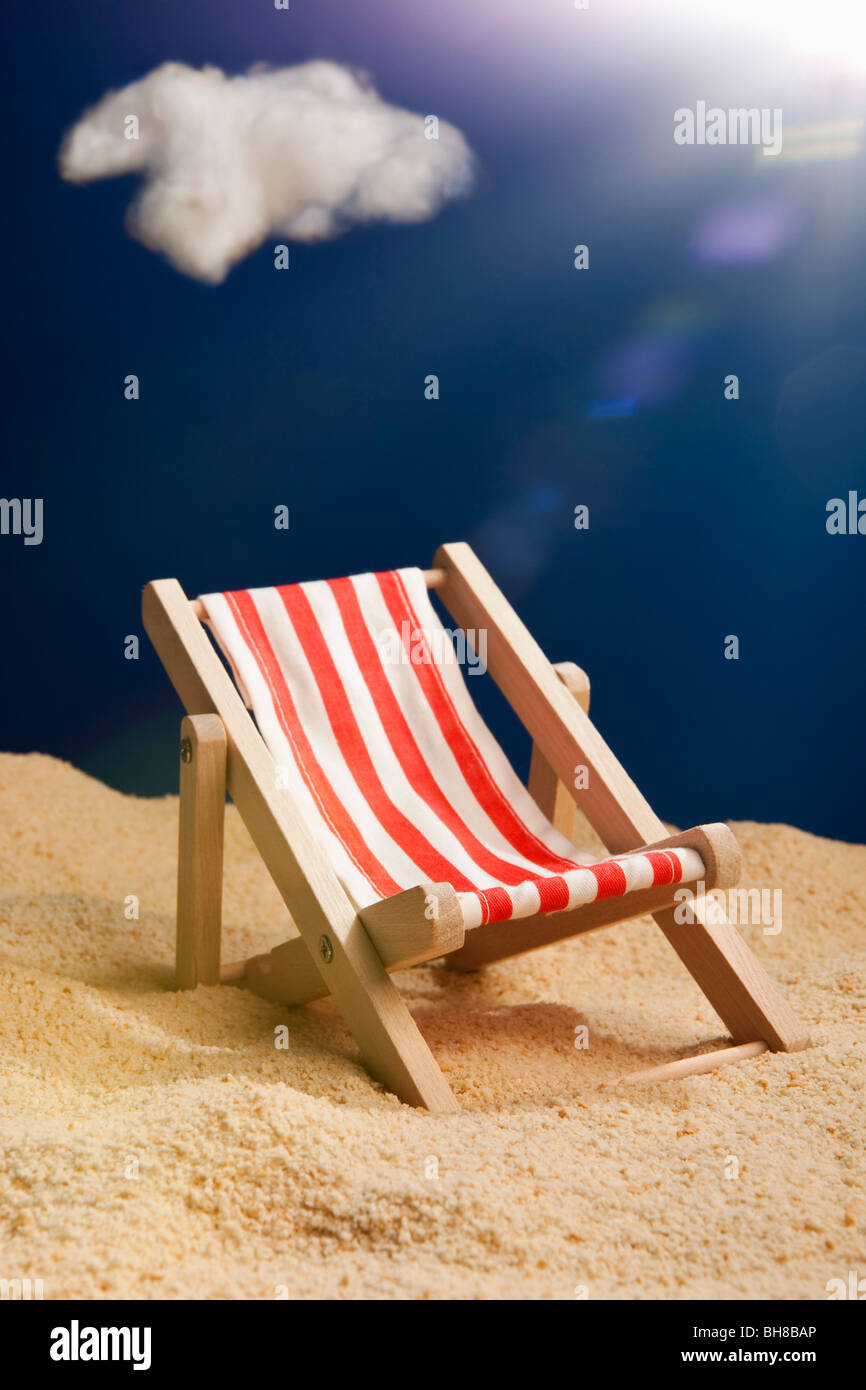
[306,388]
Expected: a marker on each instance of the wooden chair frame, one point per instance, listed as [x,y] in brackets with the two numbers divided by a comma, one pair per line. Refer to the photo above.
[348,953]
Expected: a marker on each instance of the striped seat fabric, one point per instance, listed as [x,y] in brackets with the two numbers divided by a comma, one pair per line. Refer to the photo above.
[357,690]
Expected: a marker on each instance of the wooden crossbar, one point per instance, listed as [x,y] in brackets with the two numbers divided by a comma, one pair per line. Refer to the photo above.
[716,845]
[434,579]
[692,1066]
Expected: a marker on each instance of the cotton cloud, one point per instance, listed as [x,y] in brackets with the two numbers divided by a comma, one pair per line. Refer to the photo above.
[301,153]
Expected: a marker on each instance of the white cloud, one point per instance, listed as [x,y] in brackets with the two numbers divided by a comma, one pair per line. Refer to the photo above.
[300,153]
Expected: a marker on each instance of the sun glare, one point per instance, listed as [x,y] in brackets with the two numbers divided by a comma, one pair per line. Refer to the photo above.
[832,31]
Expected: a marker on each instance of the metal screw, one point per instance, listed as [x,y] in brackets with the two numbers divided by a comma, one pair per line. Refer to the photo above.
[326,950]
[186,750]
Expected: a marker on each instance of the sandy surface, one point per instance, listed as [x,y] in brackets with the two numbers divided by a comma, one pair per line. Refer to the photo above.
[159,1145]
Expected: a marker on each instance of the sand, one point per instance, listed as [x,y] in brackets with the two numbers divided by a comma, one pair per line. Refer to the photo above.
[159,1145]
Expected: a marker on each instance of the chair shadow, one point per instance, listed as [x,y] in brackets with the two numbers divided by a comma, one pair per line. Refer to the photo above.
[493,1054]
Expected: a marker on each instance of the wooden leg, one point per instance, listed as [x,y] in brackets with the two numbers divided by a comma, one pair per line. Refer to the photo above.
[200,850]
[550,795]
[553,797]
[734,982]
[390,1041]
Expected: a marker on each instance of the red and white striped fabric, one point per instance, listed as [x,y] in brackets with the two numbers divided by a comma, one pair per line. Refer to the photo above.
[358,694]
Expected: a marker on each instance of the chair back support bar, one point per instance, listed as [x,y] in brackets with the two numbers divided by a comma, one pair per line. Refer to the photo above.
[384,1029]
[735,983]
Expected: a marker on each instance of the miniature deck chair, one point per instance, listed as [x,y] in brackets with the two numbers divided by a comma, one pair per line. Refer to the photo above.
[392,823]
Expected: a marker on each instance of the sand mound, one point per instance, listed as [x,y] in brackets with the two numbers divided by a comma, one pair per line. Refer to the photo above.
[159,1145]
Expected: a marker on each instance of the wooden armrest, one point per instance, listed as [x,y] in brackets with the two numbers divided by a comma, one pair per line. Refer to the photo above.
[718,847]
[415,925]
